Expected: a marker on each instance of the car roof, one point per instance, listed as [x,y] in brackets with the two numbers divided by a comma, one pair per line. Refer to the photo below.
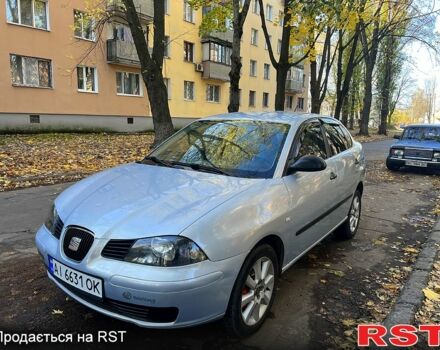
[292,118]
[423,126]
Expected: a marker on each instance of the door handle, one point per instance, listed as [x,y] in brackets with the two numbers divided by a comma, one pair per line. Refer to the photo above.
[333,176]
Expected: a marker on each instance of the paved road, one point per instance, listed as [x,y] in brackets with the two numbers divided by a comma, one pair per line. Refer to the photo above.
[377,150]
[333,282]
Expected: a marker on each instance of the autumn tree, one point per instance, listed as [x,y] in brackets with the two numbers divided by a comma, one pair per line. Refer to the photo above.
[220,13]
[292,26]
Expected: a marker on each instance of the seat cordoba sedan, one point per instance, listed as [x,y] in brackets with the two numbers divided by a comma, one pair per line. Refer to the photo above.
[202,228]
[418,146]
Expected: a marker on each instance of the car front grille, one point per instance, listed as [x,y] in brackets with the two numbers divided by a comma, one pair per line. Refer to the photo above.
[77,242]
[138,312]
[418,153]
[117,248]
[57,227]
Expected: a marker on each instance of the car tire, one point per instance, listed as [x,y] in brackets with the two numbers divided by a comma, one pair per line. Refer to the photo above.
[256,294]
[350,226]
[392,166]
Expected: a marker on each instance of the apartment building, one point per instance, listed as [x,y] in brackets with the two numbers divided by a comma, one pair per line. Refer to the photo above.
[57,72]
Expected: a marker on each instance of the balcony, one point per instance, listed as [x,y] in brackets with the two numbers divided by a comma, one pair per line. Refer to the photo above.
[122,52]
[145,9]
[214,70]
[225,37]
[294,86]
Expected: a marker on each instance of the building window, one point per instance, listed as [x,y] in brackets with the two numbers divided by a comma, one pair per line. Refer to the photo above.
[265,99]
[34,119]
[87,79]
[217,53]
[252,98]
[266,71]
[256,7]
[281,18]
[166,46]
[253,68]
[279,46]
[83,26]
[300,104]
[254,37]
[130,120]
[188,51]
[213,93]
[30,71]
[188,12]
[289,102]
[31,13]
[168,86]
[269,12]
[128,84]
[188,90]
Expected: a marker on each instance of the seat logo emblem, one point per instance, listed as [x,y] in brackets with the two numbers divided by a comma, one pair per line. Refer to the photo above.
[74,243]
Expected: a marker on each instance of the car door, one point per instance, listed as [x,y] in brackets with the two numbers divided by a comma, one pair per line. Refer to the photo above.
[311,193]
[344,162]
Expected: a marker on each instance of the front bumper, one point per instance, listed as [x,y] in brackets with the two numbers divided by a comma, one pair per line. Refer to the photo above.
[154,297]
[401,162]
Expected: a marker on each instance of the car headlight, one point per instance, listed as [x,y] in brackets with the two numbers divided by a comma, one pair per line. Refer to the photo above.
[165,251]
[50,220]
[436,155]
[397,152]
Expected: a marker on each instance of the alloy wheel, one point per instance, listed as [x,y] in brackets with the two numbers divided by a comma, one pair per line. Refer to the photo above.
[257,291]
[355,213]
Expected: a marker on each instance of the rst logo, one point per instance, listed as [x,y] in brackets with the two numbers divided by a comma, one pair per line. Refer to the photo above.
[401,335]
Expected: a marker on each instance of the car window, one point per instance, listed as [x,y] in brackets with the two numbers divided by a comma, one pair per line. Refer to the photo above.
[346,134]
[311,142]
[243,148]
[422,133]
[335,139]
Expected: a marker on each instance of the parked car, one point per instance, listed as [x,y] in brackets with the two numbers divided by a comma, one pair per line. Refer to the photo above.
[202,228]
[418,146]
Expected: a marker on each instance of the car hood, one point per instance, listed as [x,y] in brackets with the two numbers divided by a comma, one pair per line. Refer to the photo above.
[138,200]
[417,144]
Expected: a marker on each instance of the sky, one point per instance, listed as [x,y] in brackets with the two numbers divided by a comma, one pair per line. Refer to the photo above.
[424,65]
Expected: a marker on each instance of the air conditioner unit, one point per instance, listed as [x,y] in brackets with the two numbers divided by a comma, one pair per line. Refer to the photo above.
[199,67]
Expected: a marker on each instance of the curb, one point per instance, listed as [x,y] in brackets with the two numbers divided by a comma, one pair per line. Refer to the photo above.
[411,296]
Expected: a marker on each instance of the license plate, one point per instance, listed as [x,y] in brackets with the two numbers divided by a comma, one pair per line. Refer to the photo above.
[416,163]
[80,280]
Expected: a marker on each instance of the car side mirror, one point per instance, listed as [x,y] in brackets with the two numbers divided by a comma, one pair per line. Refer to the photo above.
[397,136]
[307,164]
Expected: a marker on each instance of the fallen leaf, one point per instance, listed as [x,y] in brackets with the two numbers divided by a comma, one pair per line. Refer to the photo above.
[57,312]
[430,294]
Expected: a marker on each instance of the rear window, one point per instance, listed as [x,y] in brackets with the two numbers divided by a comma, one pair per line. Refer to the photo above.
[336,138]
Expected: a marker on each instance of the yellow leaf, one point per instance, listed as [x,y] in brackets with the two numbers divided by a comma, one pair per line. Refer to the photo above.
[349,322]
[430,294]
[57,312]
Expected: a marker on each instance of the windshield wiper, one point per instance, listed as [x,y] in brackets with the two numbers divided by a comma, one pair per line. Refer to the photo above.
[206,168]
[159,161]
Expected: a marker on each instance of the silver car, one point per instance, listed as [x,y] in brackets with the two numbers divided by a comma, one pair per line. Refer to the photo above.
[202,228]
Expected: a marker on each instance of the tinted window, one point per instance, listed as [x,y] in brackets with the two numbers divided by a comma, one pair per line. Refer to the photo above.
[244,148]
[347,135]
[335,139]
[311,142]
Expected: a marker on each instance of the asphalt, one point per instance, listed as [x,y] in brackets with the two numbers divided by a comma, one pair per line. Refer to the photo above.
[314,296]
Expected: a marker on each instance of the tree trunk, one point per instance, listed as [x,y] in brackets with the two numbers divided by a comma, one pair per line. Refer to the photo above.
[234,74]
[367,100]
[151,67]
[314,88]
[345,111]
[280,95]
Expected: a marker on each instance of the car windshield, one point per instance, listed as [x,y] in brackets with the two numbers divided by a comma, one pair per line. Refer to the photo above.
[242,148]
[422,133]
